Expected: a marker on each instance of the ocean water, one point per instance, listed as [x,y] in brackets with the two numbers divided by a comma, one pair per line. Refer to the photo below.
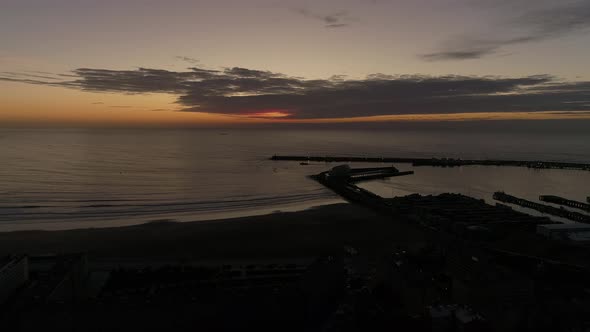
[77,178]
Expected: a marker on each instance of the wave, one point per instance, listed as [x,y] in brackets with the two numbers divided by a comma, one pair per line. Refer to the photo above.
[119,209]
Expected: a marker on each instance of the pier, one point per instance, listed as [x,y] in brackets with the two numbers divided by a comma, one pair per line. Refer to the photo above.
[439,162]
[565,201]
[341,179]
[367,174]
[548,209]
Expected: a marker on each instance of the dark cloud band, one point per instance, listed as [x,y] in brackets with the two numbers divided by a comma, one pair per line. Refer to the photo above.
[242,91]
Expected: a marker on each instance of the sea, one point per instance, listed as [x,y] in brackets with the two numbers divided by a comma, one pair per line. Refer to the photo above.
[87,178]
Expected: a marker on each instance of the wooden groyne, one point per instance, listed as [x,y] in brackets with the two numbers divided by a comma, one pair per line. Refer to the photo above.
[439,162]
[565,201]
[548,209]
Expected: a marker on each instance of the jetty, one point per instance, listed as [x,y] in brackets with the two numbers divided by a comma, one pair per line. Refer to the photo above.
[438,162]
[341,179]
[548,209]
[366,174]
[565,201]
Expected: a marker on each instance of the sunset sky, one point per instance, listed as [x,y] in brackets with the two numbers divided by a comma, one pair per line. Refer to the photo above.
[212,62]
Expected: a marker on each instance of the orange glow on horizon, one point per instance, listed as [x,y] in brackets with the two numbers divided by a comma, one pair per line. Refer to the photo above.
[545,115]
[270,114]
[39,106]
[174,118]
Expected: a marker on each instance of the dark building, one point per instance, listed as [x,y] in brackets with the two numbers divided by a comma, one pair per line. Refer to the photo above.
[14,274]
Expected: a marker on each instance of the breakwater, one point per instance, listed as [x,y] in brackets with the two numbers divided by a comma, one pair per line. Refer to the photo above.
[341,179]
[565,201]
[439,162]
[548,209]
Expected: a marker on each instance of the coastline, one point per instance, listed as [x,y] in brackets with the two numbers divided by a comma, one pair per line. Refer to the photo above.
[125,221]
[316,231]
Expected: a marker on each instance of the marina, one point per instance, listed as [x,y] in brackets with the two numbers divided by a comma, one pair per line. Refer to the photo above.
[453,213]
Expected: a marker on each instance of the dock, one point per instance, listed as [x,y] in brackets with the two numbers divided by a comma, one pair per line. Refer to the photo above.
[565,201]
[438,162]
[548,209]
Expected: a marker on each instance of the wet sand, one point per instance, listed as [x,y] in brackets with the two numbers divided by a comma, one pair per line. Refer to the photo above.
[317,231]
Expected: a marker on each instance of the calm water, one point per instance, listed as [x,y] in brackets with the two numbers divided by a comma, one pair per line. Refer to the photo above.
[51,179]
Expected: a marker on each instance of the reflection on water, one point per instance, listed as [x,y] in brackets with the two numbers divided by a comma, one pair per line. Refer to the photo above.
[89,177]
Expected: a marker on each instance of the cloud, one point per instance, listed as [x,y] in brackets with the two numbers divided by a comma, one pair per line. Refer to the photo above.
[538,25]
[259,93]
[32,77]
[337,25]
[31,74]
[339,19]
[462,54]
[571,112]
[557,21]
[187,59]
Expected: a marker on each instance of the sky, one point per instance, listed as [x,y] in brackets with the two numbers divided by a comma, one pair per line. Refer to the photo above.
[212,62]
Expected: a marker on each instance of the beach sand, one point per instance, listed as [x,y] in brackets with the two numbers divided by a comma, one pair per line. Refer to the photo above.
[317,231]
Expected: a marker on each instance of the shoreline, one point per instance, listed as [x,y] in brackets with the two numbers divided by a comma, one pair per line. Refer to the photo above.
[126,221]
[312,232]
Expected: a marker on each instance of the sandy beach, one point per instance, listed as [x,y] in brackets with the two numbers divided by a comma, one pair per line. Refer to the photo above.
[316,231]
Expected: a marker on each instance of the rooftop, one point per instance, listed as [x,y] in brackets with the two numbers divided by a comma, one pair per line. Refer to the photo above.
[579,236]
[572,227]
